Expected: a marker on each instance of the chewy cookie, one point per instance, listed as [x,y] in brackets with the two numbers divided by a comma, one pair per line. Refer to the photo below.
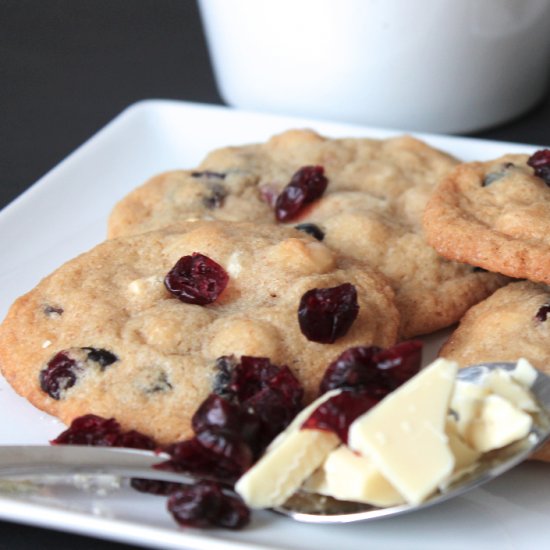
[371,210]
[514,322]
[495,215]
[188,195]
[104,335]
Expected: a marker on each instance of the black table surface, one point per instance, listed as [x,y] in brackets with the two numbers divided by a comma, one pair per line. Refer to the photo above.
[67,67]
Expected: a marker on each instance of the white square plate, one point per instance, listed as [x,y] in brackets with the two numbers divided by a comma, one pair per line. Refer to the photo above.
[65,213]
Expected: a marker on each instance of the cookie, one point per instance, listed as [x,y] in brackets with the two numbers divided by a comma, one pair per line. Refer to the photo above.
[494,215]
[371,210]
[104,335]
[184,195]
[514,322]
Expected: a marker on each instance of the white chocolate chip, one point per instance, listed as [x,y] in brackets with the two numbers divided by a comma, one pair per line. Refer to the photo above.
[234,265]
[145,285]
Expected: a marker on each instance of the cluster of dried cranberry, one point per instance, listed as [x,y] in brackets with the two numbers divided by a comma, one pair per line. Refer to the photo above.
[253,401]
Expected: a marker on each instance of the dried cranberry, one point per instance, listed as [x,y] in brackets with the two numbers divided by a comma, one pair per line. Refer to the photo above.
[251,375]
[372,370]
[193,457]
[101,356]
[60,374]
[311,229]
[91,429]
[306,185]
[208,174]
[135,440]
[218,413]
[492,177]
[540,162]
[161,384]
[542,313]
[63,369]
[196,279]
[154,486]
[270,393]
[205,504]
[228,447]
[224,377]
[275,412]
[338,412]
[216,196]
[52,311]
[326,314]
[241,380]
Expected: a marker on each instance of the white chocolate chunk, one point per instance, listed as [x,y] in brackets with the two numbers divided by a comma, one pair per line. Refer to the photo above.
[524,373]
[465,457]
[234,265]
[500,382]
[498,424]
[348,476]
[466,402]
[416,460]
[290,459]
[147,290]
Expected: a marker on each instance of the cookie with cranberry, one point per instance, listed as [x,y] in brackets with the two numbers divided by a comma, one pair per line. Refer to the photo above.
[134,328]
[430,291]
[371,210]
[514,322]
[242,183]
[183,195]
[495,215]
[364,197]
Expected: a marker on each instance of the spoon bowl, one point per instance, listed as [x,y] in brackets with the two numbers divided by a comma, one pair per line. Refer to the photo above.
[309,508]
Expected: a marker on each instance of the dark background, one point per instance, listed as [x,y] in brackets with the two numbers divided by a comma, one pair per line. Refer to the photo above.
[67,67]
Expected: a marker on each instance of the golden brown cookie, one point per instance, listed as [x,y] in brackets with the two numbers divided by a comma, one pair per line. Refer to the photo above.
[187,195]
[371,210]
[104,335]
[495,215]
[510,324]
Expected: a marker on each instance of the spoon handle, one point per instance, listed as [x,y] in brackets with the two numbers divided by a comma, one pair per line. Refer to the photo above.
[41,460]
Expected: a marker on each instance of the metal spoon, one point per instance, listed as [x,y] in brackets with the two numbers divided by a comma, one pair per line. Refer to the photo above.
[30,462]
[307,510]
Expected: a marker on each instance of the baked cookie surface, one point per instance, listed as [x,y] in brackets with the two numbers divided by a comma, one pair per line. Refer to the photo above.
[371,210]
[494,215]
[514,322]
[183,195]
[134,351]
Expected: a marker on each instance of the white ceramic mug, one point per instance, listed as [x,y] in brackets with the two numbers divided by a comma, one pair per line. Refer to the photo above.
[426,65]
